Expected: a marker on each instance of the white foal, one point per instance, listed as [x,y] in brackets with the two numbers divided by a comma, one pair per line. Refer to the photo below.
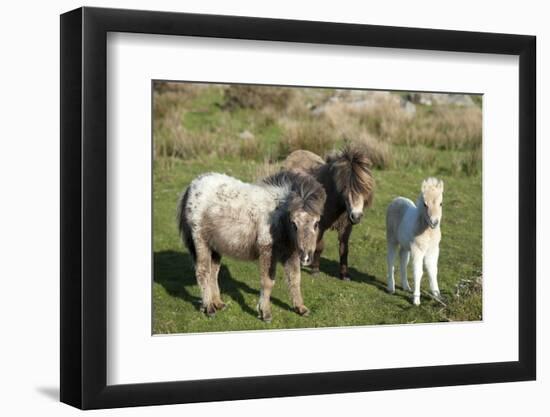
[415,229]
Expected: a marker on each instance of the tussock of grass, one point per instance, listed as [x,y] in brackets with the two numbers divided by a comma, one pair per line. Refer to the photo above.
[444,127]
[380,153]
[175,141]
[312,135]
[466,300]
[264,169]
[256,97]
[201,120]
[468,163]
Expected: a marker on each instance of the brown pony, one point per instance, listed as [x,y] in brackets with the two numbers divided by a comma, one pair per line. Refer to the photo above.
[348,182]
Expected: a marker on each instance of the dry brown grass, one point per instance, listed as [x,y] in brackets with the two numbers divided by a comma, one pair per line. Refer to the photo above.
[249,148]
[173,140]
[346,121]
[265,169]
[385,118]
[318,120]
[467,163]
[257,97]
[445,127]
[380,153]
[415,157]
[169,97]
[441,127]
[316,136]
[383,124]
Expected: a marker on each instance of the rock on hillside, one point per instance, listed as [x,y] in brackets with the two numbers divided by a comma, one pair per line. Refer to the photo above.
[429,99]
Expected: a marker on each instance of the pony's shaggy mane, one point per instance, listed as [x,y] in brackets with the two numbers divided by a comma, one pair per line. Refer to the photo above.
[310,195]
[351,169]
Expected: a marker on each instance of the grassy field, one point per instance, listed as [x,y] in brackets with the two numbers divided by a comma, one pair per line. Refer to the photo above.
[209,138]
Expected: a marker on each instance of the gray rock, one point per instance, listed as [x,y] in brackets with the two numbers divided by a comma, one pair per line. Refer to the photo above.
[430,99]
[408,107]
[246,135]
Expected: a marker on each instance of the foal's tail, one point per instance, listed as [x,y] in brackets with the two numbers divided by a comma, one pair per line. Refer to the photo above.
[183,225]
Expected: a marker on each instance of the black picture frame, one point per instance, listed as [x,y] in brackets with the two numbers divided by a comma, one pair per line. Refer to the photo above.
[84,207]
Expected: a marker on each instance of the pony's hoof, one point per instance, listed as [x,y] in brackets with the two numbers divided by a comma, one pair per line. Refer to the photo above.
[345,277]
[220,306]
[407,289]
[390,290]
[315,272]
[264,315]
[209,310]
[266,318]
[416,300]
[302,311]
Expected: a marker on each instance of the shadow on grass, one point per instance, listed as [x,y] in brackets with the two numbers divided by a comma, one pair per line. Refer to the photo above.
[175,272]
[332,268]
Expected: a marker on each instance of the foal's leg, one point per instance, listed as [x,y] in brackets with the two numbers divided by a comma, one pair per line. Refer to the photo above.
[431,267]
[214,272]
[417,258]
[392,248]
[293,278]
[202,271]
[317,254]
[343,237]
[267,281]
[404,255]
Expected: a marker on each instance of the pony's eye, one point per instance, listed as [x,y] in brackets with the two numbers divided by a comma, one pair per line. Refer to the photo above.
[295,226]
[440,204]
[316,225]
[425,205]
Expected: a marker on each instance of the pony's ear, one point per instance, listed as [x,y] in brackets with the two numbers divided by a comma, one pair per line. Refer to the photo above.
[432,183]
[424,186]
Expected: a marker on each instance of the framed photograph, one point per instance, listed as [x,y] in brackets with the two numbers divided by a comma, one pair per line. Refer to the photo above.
[257,208]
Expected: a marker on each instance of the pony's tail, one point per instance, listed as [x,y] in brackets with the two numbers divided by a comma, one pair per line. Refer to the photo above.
[183,226]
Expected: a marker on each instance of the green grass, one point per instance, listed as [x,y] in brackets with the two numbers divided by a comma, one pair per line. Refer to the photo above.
[362,301]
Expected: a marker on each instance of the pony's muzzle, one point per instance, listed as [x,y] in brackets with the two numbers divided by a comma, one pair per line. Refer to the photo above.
[433,223]
[355,217]
[305,258]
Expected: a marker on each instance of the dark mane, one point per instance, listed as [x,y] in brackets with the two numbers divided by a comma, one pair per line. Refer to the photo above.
[309,195]
[351,170]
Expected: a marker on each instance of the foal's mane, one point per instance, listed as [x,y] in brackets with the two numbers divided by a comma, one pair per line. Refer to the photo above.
[351,171]
[309,195]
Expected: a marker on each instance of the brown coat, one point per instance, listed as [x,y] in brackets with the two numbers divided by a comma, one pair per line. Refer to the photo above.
[346,177]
